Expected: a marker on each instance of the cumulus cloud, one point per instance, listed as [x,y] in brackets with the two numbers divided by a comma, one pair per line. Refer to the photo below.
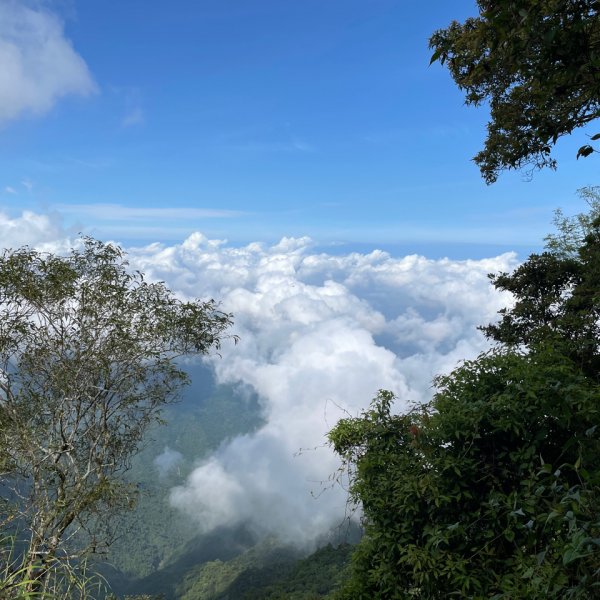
[38,63]
[32,229]
[320,334]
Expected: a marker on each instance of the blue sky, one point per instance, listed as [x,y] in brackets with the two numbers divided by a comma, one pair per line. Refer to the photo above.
[253,120]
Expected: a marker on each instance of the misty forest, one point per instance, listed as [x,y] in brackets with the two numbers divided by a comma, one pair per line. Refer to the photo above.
[134,465]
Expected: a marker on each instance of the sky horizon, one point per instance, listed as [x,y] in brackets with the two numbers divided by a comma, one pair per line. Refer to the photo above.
[144,122]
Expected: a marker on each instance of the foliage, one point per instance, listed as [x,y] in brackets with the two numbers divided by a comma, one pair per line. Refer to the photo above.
[557,295]
[269,571]
[571,231]
[315,576]
[213,579]
[61,580]
[138,597]
[537,64]
[88,354]
[492,490]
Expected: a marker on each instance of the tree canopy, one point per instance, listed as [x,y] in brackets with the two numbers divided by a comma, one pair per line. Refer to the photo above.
[88,356]
[492,490]
[537,64]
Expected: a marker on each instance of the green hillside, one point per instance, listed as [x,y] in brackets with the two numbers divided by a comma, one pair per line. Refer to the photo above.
[268,571]
[161,554]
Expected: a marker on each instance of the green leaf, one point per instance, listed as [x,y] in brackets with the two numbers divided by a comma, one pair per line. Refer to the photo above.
[436,56]
[585,151]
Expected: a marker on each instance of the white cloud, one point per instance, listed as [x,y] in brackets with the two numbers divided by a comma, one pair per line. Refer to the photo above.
[10,190]
[32,229]
[38,64]
[320,334]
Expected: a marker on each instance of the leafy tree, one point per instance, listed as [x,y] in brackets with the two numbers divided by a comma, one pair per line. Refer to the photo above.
[557,293]
[88,357]
[537,64]
[492,490]
[571,231]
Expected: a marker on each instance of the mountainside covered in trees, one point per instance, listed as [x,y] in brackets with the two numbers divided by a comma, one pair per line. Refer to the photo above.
[161,553]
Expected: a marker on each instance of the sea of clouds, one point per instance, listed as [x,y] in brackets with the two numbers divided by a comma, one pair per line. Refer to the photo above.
[320,334]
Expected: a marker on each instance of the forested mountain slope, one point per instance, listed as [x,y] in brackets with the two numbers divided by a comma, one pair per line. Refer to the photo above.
[161,552]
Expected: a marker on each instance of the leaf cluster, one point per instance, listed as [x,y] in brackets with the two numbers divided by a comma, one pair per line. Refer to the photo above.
[537,64]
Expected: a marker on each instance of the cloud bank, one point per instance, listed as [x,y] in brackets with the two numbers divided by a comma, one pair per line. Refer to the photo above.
[320,334]
[38,63]
[32,229]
